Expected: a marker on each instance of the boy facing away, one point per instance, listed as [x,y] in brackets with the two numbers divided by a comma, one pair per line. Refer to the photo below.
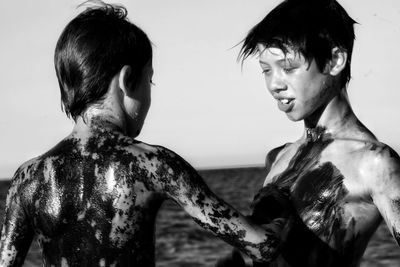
[92,200]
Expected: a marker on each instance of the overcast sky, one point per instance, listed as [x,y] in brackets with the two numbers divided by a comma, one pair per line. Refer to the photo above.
[204,107]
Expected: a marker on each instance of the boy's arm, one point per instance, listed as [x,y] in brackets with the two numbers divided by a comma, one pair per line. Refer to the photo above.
[258,206]
[182,183]
[16,233]
[385,188]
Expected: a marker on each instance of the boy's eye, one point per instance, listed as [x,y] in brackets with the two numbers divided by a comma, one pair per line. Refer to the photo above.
[289,66]
[265,71]
[288,70]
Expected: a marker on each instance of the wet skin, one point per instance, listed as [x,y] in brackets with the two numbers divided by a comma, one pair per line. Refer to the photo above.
[341,179]
[341,188]
[92,201]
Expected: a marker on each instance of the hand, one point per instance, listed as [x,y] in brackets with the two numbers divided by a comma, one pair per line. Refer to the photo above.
[270,203]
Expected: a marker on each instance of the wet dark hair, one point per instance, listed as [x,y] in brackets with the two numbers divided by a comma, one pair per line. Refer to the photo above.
[93,47]
[310,27]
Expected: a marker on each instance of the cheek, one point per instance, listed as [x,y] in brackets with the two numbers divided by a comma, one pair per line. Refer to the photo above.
[148,99]
[131,107]
[309,96]
[316,89]
[143,106]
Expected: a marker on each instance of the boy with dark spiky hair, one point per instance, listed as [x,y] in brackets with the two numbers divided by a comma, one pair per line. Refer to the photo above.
[342,180]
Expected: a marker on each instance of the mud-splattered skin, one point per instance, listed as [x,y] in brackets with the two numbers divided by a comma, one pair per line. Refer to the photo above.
[340,189]
[93,198]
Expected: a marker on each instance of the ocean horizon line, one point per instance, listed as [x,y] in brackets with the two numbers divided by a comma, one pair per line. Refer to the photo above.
[233,166]
[202,168]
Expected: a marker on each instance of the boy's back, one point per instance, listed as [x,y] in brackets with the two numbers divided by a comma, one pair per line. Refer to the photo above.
[91,200]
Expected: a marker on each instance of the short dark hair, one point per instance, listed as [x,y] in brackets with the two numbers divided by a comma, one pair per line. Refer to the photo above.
[92,48]
[310,27]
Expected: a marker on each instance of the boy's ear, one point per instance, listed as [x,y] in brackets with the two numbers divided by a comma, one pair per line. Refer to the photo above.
[125,81]
[338,61]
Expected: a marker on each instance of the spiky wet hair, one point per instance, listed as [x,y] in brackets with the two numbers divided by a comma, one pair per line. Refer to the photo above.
[310,27]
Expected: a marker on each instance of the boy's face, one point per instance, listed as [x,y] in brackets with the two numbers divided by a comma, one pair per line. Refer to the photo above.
[137,104]
[299,87]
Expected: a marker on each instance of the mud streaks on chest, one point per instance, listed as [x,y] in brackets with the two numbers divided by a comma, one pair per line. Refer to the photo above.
[317,188]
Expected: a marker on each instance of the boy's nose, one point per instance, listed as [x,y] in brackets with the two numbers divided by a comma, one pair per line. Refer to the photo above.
[276,84]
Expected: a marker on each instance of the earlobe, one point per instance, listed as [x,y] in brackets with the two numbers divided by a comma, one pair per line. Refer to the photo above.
[124,79]
[338,61]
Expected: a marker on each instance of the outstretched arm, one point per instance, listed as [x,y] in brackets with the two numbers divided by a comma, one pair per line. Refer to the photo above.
[16,233]
[182,183]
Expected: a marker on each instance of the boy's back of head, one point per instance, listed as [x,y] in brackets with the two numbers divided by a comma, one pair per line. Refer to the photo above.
[93,47]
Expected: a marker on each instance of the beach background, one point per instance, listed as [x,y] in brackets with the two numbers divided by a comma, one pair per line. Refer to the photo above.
[207,107]
[182,243]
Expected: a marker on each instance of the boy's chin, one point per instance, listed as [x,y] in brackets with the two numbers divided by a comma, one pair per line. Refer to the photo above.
[135,133]
[294,117]
[134,128]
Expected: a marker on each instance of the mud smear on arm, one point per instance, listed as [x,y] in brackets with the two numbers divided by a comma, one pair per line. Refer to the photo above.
[187,188]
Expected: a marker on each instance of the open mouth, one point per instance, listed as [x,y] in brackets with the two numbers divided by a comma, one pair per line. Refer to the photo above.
[285,104]
[285,101]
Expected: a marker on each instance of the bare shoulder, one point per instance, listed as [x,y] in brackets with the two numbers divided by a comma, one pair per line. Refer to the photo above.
[23,179]
[379,165]
[273,157]
[25,170]
[378,155]
[169,173]
[274,154]
[161,161]
[154,154]
[362,151]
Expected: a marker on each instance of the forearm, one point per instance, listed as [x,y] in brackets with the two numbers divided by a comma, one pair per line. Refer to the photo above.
[259,243]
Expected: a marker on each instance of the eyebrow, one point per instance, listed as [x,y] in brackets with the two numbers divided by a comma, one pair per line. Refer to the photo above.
[277,61]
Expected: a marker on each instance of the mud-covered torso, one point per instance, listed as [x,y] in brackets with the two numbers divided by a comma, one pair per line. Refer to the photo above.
[325,180]
[91,202]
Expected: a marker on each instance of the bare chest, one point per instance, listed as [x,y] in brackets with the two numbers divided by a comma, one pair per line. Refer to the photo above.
[327,192]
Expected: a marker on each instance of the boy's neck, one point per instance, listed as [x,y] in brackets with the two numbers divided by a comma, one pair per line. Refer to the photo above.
[335,118]
[100,120]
